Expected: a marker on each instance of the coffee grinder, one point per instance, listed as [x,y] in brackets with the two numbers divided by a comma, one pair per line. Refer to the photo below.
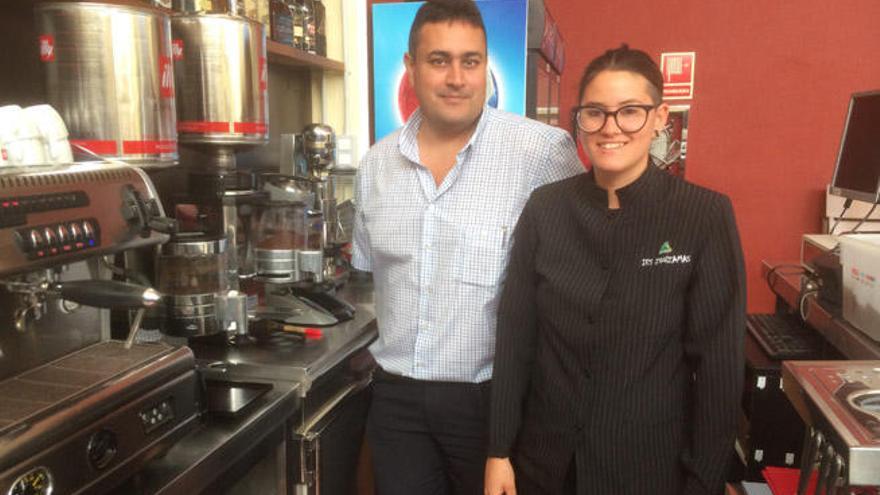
[299,241]
[220,76]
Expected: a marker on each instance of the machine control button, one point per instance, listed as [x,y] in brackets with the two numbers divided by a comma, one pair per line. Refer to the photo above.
[50,236]
[102,449]
[63,234]
[34,240]
[76,231]
[89,232]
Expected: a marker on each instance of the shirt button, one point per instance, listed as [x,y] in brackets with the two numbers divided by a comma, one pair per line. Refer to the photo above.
[591,319]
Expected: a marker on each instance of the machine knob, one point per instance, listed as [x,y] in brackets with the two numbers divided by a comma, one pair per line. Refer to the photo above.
[102,448]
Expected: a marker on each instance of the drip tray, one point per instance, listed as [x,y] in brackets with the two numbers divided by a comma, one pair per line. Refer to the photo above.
[228,399]
[41,390]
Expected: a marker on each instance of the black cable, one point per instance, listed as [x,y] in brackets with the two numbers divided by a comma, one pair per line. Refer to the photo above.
[846,205]
[864,218]
[771,281]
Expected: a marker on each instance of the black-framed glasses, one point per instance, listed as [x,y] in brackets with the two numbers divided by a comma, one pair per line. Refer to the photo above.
[629,118]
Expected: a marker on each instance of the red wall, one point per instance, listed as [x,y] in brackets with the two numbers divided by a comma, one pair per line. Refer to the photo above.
[772,84]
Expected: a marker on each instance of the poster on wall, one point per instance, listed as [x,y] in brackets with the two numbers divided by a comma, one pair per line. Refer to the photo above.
[393,97]
[678,75]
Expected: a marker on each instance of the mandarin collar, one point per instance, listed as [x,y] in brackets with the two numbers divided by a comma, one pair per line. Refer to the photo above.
[647,188]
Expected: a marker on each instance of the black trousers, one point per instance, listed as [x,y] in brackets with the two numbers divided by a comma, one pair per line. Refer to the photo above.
[428,438]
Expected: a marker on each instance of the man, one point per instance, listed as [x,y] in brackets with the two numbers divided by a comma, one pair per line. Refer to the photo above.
[437,203]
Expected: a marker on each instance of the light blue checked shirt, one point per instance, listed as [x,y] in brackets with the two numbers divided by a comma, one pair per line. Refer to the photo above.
[438,253]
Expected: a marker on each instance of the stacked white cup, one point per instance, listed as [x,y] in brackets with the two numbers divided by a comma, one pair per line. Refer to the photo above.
[53,133]
[33,136]
[20,138]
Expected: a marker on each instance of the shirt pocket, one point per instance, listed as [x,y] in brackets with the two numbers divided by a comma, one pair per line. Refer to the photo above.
[481,255]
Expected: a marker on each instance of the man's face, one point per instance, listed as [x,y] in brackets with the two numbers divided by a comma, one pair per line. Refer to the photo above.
[448,74]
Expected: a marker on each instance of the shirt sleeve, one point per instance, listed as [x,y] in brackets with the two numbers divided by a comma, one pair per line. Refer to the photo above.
[361,257]
[713,346]
[515,340]
[560,160]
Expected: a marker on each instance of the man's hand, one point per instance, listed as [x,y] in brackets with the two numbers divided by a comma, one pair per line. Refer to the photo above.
[499,477]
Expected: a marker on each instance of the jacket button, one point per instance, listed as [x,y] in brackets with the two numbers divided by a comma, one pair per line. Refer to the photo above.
[591,320]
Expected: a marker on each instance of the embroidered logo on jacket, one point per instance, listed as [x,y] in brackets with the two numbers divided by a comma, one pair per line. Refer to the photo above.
[665,257]
[665,248]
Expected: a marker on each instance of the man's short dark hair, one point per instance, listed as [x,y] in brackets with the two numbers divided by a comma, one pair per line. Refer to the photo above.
[432,11]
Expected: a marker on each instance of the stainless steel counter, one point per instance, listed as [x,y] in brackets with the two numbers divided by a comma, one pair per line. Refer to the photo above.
[288,358]
[199,460]
[200,457]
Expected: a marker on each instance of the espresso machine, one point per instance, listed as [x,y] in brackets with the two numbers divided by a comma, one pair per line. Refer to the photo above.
[79,412]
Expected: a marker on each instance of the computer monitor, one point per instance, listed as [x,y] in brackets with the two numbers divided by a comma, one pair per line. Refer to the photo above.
[857,173]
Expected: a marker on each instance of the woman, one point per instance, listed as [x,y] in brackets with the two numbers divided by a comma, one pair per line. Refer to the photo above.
[618,363]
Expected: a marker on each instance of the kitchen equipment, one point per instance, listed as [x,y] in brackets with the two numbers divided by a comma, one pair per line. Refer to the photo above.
[85,422]
[56,216]
[220,66]
[191,273]
[96,53]
[221,75]
[286,249]
[840,402]
[79,413]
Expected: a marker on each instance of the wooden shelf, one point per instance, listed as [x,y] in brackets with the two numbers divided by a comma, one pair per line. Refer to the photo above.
[282,54]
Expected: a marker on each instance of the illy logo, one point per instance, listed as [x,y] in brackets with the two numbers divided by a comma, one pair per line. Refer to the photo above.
[166,78]
[177,49]
[47,48]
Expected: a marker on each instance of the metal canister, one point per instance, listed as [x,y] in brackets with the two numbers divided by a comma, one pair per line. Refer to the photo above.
[108,72]
[221,75]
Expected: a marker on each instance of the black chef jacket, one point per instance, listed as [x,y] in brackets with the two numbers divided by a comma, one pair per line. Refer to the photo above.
[620,336]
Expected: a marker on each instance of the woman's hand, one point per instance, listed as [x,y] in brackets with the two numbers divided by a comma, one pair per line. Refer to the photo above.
[499,477]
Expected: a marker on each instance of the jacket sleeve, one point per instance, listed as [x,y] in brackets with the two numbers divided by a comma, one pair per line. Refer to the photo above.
[515,339]
[713,346]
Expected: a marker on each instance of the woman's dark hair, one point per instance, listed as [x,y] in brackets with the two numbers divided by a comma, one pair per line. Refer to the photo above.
[432,11]
[629,60]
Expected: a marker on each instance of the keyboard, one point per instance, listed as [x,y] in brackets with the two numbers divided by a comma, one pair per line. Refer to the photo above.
[783,337]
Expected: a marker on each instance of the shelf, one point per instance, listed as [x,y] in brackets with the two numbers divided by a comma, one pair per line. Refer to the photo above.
[282,54]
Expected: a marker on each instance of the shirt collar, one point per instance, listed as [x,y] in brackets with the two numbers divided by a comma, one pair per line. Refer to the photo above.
[408,139]
[648,188]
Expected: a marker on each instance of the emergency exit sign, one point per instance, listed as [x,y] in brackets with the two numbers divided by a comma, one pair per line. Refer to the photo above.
[678,75]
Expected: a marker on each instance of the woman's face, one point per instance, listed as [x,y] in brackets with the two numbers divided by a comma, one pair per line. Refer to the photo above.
[615,154]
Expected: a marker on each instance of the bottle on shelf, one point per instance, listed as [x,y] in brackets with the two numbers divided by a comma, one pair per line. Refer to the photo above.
[233,7]
[309,29]
[320,28]
[298,24]
[281,22]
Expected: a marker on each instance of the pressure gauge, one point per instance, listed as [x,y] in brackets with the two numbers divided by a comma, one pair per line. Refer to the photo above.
[37,481]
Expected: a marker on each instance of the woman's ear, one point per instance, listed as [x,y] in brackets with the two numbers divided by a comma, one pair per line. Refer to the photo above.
[662,117]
